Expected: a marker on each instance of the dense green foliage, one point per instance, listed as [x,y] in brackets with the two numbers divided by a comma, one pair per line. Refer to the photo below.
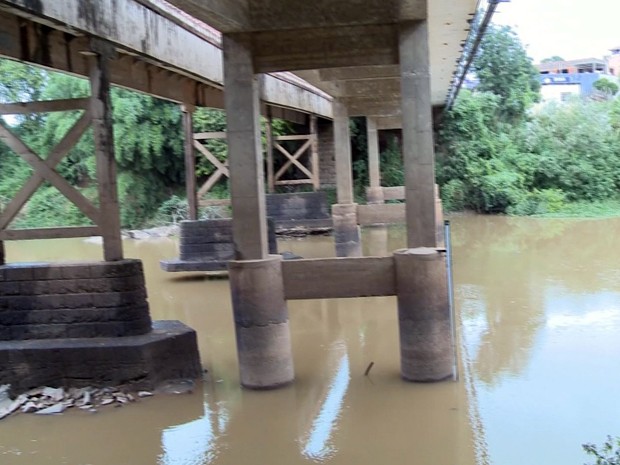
[505,70]
[500,153]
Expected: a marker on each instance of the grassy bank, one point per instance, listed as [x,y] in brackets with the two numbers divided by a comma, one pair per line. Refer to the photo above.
[584,209]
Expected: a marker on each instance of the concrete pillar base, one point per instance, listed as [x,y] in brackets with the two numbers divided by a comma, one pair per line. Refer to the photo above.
[374,195]
[261,323]
[347,236]
[426,343]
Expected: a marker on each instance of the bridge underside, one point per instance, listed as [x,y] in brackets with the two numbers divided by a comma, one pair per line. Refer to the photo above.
[389,60]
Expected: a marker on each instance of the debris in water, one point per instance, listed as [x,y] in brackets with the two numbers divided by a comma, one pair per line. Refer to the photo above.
[370,365]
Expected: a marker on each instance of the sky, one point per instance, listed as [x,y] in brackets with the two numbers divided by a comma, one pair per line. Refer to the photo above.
[571,29]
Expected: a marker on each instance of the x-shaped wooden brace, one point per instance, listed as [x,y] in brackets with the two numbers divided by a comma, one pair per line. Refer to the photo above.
[221,169]
[44,170]
[293,160]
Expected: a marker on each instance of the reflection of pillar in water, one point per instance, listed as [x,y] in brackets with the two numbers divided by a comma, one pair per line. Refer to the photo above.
[377,241]
[317,443]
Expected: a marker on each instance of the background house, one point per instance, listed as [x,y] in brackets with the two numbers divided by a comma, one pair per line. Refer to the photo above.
[560,80]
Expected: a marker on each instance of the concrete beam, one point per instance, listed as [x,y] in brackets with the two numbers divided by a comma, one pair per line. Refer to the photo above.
[64,52]
[317,48]
[334,278]
[389,122]
[358,73]
[132,26]
[378,88]
[389,213]
[372,107]
[265,15]
[168,58]
[225,16]
[288,91]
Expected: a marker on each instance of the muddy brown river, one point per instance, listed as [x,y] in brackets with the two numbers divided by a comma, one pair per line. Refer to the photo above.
[538,309]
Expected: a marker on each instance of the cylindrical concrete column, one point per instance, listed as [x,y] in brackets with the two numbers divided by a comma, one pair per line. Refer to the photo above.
[342,146]
[374,195]
[424,319]
[418,144]
[261,323]
[347,237]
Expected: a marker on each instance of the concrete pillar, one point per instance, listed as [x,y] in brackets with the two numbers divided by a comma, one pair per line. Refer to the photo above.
[375,192]
[424,318]
[101,108]
[261,315]
[261,323]
[342,146]
[245,156]
[347,235]
[418,146]
[190,162]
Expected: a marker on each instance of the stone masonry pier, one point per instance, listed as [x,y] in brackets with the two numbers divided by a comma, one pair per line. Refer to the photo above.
[86,324]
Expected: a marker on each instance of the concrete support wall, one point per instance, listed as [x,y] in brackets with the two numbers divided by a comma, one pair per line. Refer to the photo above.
[245,154]
[418,146]
[426,345]
[261,323]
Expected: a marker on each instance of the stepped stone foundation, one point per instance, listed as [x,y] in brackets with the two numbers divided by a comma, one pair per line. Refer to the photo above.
[303,209]
[207,245]
[86,324]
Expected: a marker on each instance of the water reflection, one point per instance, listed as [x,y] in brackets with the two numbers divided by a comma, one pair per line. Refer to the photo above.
[195,443]
[539,305]
[540,309]
[318,445]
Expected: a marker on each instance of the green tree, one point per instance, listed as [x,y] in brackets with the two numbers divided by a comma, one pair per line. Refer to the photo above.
[606,86]
[607,454]
[504,69]
[552,59]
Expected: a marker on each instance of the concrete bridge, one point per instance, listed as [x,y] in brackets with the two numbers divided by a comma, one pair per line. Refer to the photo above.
[393,61]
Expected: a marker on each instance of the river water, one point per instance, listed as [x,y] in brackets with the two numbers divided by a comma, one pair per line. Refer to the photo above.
[538,310]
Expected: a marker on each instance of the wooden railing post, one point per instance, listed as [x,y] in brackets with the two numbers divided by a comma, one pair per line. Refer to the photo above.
[190,161]
[316,183]
[101,109]
[271,183]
